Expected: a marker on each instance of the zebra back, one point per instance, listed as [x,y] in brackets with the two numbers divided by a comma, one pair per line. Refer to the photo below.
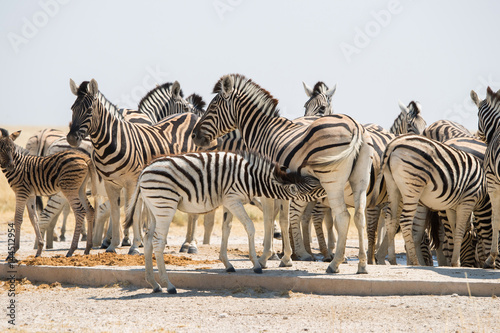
[163,101]
[443,130]
[41,140]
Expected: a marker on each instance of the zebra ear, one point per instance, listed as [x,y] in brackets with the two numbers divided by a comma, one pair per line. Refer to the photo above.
[13,136]
[176,90]
[331,91]
[307,89]
[227,86]
[93,89]
[489,94]
[475,98]
[73,87]
[403,107]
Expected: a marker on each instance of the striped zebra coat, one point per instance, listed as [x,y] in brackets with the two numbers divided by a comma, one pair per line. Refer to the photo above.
[122,149]
[201,182]
[29,175]
[489,130]
[326,148]
[417,169]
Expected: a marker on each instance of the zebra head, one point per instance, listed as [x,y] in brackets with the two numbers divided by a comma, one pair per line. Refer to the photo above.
[320,99]
[488,114]
[7,149]
[86,95]
[239,101]
[305,188]
[219,118]
[416,124]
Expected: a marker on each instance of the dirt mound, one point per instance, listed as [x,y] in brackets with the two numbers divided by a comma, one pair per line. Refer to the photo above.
[110,259]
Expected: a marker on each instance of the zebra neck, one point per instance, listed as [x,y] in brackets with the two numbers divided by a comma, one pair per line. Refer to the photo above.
[102,121]
[399,125]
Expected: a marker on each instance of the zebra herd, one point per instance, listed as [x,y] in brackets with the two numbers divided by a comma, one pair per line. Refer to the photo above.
[439,184]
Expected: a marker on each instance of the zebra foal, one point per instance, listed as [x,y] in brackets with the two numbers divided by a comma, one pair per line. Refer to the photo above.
[29,175]
[199,183]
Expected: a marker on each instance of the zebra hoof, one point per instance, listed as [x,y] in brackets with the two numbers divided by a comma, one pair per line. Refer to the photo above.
[307,258]
[84,238]
[11,259]
[274,257]
[282,264]
[105,244]
[62,238]
[172,291]
[126,242]
[133,252]
[330,270]
[327,259]
[192,250]
[141,245]
[362,271]
[69,254]
[184,248]
[108,250]
[277,235]
[157,290]
[230,270]
[258,270]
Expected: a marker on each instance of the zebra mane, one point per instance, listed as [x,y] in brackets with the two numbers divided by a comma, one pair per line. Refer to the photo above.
[399,123]
[83,88]
[319,88]
[197,102]
[265,101]
[165,88]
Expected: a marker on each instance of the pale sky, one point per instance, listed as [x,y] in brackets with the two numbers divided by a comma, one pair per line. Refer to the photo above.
[377,52]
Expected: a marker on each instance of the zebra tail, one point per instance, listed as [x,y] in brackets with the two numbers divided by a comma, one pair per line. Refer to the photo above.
[433,221]
[328,162]
[376,189]
[129,219]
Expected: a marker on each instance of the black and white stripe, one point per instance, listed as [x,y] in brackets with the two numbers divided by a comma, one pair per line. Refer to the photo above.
[29,175]
[122,149]
[420,170]
[199,183]
[316,148]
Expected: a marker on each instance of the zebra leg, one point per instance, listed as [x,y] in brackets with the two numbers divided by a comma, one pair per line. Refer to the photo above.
[462,215]
[109,233]
[90,216]
[305,223]
[79,211]
[494,192]
[286,260]
[296,211]
[381,245]
[268,210]
[148,255]
[48,218]
[159,239]
[323,213]
[18,220]
[189,244]
[31,204]
[237,209]
[226,230]
[372,215]
[102,214]
[410,205]
[208,226]
[114,202]
[332,240]
[65,211]
[392,214]
[418,231]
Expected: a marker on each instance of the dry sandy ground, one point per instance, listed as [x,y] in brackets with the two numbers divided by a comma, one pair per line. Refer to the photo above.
[118,308]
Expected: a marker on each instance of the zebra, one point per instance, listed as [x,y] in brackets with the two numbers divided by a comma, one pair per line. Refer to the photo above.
[30,175]
[320,99]
[488,130]
[417,169]
[201,182]
[408,120]
[39,142]
[325,148]
[122,149]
